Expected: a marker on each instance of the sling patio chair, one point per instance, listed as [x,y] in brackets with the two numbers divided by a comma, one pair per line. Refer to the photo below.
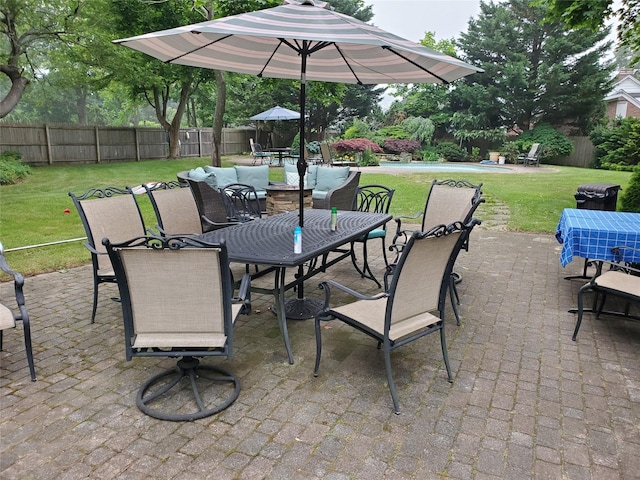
[411,308]
[175,208]
[374,199]
[107,212]
[448,201]
[8,318]
[532,157]
[621,280]
[258,154]
[177,301]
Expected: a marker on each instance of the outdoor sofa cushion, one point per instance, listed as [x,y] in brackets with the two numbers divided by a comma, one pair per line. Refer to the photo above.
[328,179]
[200,174]
[217,177]
[292,177]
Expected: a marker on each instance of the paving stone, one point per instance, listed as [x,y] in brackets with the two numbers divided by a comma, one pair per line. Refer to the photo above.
[526,402]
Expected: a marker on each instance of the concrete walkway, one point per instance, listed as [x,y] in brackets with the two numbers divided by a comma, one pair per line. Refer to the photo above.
[526,401]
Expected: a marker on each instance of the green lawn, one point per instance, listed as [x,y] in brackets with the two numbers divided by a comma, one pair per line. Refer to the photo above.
[32,212]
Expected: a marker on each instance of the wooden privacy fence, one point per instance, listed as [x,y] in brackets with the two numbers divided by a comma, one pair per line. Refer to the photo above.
[68,144]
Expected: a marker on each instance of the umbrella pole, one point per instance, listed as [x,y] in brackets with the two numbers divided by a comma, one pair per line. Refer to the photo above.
[301,308]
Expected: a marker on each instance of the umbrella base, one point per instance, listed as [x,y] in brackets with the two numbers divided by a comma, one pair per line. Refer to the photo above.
[302,308]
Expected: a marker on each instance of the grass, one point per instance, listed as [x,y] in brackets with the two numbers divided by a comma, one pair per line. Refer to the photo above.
[32,212]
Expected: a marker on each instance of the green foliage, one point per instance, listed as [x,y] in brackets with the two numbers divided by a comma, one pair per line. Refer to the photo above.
[630,201]
[11,168]
[421,129]
[358,129]
[475,154]
[396,145]
[618,146]
[451,152]
[429,154]
[368,159]
[510,150]
[555,144]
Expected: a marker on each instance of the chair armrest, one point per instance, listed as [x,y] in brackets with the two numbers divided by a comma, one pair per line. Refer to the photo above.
[218,224]
[327,284]
[92,250]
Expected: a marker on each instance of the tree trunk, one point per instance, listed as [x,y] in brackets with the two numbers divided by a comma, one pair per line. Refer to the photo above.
[218,117]
[172,127]
[81,104]
[18,85]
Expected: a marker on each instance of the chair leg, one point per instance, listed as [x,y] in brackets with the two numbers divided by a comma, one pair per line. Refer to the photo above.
[455,300]
[318,347]
[392,386]
[365,271]
[445,354]
[26,326]
[580,310]
[95,298]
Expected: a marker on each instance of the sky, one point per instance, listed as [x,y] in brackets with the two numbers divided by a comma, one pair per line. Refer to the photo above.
[410,19]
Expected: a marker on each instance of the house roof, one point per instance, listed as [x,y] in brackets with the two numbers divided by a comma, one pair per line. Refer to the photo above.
[627,88]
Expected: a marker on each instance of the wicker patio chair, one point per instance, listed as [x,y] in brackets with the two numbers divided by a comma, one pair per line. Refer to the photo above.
[107,212]
[375,199]
[411,308]
[177,301]
[8,318]
[622,280]
[175,208]
[213,214]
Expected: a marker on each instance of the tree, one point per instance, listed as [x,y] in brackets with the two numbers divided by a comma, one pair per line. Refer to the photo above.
[534,71]
[26,27]
[593,15]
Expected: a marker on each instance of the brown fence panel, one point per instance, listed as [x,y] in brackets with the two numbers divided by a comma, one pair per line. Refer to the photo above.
[64,144]
[582,155]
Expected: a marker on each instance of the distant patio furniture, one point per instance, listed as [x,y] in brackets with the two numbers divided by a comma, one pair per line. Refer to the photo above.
[177,301]
[327,158]
[8,318]
[175,208]
[532,157]
[411,308]
[107,212]
[258,154]
[372,198]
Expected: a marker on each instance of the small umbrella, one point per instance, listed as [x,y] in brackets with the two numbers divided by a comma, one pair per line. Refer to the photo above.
[276,113]
[301,40]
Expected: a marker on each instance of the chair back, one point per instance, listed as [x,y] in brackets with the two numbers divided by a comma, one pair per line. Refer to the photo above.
[108,213]
[450,201]
[534,150]
[208,202]
[373,199]
[325,152]
[175,208]
[176,294]
[421,278]
[241,202]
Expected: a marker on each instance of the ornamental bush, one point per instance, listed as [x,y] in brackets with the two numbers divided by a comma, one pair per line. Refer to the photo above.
[396,145]
[451,152]
[617,147]
[356,145]
[630,201]
[554,143]
[11,168]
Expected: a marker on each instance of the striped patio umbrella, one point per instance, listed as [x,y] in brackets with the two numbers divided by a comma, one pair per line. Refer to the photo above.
[301,40]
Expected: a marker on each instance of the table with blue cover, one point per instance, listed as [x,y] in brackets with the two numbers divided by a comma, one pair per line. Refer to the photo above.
[269,241]
[591,234]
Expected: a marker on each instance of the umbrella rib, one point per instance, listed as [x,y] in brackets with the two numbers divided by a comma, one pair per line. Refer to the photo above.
[269,60]
[196,49]
[386,47]
[347,64]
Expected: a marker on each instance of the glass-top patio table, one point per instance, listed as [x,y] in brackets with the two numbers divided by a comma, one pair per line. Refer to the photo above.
[269,242]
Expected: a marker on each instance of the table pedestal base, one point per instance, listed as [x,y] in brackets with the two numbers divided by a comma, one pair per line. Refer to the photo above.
[302,308]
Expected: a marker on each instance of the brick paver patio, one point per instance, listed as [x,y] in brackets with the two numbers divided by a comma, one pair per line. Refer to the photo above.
[526,401]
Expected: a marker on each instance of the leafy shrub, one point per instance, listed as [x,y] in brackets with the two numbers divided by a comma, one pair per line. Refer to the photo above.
[554,143]
[314,147]
[356,145]
[368,159]
[396,145]
[11,168]
[451,151]
[429,154]
[359,129]
[617,146]
[510,151]
[421,129]
[630,201]
[391,131]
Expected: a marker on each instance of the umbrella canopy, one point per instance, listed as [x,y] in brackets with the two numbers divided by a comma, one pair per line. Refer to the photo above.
[276,113]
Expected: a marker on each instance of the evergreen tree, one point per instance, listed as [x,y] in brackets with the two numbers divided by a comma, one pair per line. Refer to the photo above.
[534,71]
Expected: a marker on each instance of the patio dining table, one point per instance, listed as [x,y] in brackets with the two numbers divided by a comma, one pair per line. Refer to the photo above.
[591,234]
[269,242]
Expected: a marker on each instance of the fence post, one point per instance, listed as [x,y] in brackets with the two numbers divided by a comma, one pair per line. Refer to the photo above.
[199,142]
[97,144]
[135,139]
[48,140]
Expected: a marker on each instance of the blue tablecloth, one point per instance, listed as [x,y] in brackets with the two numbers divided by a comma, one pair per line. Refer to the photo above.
[593,233]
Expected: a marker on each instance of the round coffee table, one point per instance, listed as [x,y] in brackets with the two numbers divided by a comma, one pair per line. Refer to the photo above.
[286,198]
